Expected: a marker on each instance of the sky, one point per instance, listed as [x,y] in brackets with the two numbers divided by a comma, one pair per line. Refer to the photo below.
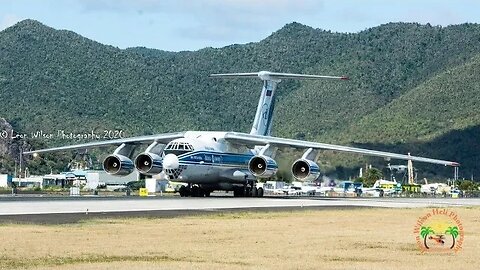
[176,25]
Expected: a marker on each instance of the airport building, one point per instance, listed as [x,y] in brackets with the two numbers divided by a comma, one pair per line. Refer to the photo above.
[90,178]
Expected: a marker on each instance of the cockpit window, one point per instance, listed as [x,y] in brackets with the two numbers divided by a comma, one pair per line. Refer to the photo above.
[178,148]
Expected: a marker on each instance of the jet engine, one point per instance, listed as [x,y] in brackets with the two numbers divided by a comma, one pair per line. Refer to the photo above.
[118,165]
[149,163]
[305,170]
[262,166]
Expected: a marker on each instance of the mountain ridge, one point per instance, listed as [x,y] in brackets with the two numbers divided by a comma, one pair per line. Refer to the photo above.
[75,83]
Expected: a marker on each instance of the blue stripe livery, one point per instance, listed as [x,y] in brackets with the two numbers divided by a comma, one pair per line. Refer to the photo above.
[215,159]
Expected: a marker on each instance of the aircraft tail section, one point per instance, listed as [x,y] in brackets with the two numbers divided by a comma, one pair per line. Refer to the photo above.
[262,124]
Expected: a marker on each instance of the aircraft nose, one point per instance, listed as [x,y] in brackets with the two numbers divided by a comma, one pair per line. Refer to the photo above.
[171,162]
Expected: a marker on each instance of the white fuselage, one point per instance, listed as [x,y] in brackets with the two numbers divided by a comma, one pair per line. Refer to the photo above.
[211,161]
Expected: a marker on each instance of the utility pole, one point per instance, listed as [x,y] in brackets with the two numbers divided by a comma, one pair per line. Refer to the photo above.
[455,173]
[410,171]
[21,161]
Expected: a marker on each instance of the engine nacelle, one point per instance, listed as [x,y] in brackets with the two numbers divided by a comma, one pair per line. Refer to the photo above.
[262,166]
[305,170]
[118,165]
[149,163]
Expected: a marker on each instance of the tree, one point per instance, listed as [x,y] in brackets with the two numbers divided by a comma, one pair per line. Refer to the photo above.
[360,180]
[453,231]
[284,175]
[467,185]
[136,185]
[370,177]
[424,232]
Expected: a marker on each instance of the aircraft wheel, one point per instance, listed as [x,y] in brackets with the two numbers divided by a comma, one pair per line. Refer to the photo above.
[254,192]
[247,192]
[183,191]
[260,192]
[196,191]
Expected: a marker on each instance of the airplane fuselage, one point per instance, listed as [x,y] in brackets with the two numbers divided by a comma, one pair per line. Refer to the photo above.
[205,158]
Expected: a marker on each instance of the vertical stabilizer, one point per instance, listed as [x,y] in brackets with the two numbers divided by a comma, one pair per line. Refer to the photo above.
[262,124]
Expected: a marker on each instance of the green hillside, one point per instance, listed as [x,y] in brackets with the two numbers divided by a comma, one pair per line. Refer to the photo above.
[401,92]
[440,117]
[445,102]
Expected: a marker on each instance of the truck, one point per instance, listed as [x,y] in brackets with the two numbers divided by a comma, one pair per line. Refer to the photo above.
[5,180]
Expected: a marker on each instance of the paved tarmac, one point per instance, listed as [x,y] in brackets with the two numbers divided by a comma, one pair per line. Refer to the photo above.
[90,205]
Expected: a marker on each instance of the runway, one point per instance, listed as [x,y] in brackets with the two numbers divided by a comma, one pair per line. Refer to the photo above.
[112,206]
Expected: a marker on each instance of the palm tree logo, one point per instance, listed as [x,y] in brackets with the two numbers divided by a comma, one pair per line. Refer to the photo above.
[453,231]
[424,232]
[440,230]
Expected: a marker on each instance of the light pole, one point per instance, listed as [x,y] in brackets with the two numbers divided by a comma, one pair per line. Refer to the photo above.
[21,161]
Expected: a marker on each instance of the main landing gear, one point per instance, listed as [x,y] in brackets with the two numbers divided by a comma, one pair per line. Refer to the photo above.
[248,190]
[193,191]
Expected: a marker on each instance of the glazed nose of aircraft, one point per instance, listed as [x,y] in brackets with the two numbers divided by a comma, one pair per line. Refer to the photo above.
[170,161]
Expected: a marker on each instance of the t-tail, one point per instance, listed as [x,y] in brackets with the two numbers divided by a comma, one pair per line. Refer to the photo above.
[262,125]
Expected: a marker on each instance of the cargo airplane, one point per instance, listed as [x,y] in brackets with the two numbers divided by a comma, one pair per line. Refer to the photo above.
[232,161]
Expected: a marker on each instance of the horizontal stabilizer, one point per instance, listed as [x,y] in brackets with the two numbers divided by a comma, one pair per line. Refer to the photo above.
[267,75]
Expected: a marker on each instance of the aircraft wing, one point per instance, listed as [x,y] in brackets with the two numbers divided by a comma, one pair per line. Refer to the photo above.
[161,138]
[252,140]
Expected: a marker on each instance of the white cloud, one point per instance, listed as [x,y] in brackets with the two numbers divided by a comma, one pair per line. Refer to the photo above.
[123,6]
[438,16]
[219,20]
[199,23]
[200,6]
[242,20]
[8,20]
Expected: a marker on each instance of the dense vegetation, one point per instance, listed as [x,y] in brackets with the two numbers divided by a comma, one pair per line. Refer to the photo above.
[413,88]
